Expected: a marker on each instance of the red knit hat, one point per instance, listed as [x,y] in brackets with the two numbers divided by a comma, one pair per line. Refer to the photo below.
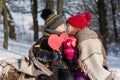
[80,20]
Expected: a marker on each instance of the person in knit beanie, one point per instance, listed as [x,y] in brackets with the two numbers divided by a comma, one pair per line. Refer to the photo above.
[54,24]
[52,21]
[91,53]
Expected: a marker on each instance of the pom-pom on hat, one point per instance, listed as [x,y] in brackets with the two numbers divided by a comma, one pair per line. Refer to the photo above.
[80,21]
[45,13]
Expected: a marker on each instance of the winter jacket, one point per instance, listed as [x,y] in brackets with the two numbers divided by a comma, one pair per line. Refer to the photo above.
[50,58]
[45,54]
[92,56]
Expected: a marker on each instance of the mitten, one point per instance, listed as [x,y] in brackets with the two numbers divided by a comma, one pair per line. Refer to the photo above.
[68,49]
[69,53]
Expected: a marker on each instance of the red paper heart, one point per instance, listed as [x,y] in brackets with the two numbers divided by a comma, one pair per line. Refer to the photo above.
[55,41]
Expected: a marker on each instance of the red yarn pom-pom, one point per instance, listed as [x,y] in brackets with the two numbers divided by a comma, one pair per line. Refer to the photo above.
[88,16]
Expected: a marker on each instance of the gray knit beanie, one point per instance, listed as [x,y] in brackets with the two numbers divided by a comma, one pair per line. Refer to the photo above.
[53,21]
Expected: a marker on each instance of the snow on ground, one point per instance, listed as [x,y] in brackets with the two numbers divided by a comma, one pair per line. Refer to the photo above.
[20,47]
[4,54]
[17,50]
[114,65]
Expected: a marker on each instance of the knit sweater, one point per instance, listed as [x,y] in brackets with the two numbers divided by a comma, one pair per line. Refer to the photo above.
[91,54]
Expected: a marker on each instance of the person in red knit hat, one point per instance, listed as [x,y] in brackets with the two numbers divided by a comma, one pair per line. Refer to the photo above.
[91,53]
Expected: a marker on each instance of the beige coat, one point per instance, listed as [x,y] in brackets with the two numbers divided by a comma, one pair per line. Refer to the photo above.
[91,54]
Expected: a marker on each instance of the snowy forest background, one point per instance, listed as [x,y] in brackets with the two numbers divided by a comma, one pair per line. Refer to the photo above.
[21,21]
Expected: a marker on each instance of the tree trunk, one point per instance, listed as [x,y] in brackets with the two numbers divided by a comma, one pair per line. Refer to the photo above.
[102,20]
[5,45]
[50,5]
[114,20]
[60,7]
[35,20]
[0,8]
[119,4]
[11,25]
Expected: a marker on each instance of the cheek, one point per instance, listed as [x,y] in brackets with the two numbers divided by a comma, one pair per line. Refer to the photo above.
[69,30]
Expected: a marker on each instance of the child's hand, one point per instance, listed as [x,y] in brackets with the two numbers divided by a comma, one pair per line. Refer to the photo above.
[74,40]
[68,43]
